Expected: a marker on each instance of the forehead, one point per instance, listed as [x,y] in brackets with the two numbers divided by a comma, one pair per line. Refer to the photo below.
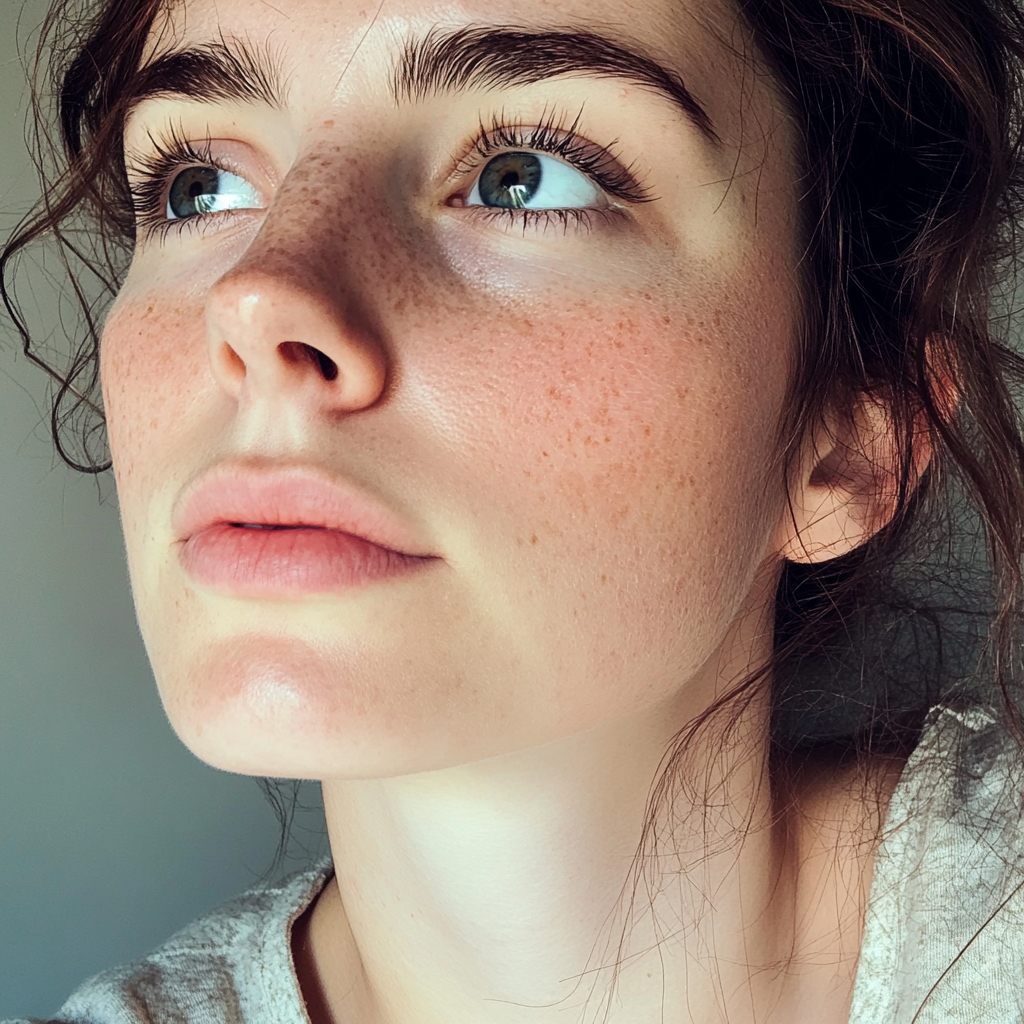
[337,45]
[653,20]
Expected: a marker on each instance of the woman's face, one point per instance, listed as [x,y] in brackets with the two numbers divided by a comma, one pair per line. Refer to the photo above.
[570,405]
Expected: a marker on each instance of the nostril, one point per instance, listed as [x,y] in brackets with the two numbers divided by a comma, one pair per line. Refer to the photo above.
[293,351]
[328,367]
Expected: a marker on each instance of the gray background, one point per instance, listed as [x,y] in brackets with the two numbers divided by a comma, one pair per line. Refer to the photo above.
[112,835]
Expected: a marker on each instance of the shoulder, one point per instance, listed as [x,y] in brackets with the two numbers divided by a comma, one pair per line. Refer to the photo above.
[233,964]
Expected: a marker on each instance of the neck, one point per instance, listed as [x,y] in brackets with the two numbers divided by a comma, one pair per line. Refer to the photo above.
[510,890]
[507,891]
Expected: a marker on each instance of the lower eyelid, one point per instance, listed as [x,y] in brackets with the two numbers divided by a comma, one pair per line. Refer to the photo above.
[160,229]
[574,219]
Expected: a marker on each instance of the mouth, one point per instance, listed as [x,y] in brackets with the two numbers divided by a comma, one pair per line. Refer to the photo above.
[272,532]
[275,526]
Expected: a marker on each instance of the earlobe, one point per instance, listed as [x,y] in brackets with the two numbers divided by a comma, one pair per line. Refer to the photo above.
[846,488]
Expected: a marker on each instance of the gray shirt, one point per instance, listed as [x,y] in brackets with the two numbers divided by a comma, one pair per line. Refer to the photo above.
[945,915]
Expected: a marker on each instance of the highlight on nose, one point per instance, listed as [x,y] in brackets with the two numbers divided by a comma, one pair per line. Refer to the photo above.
[299,352]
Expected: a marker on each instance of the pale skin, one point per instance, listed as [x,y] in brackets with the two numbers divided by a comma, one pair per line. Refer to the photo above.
[582,425]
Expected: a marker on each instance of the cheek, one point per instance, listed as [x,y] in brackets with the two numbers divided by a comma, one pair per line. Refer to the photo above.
[150,372]
[153,369]
[590,398]
[609,457]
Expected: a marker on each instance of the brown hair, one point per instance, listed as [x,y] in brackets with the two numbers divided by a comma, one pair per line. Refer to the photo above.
[910,116]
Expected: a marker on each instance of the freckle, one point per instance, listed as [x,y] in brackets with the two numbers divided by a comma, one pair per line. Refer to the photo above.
[647,430]
[666,319]
[545,454]
[533,539]
[329,124]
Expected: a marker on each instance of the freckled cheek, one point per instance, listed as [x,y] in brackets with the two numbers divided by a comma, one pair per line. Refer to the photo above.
[605,464]
[607,405]
[152,368]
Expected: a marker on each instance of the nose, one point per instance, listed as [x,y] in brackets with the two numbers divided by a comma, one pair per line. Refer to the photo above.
[280,330]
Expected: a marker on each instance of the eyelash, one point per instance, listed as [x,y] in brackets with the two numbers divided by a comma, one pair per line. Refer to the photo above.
[551,136]
[151,174]
[554,138]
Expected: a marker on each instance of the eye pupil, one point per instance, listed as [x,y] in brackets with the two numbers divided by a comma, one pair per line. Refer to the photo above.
[510,180]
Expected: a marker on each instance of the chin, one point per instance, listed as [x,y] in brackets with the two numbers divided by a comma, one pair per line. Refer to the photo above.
[283,710]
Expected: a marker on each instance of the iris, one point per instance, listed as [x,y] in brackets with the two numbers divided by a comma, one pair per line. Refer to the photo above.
[510,180]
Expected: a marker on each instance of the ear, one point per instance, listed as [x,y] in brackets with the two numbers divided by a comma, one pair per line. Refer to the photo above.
[846,485]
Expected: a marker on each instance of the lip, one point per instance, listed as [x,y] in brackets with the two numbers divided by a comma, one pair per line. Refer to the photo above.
[318,533]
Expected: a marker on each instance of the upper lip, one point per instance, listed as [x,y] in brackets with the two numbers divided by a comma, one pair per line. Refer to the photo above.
[287,496]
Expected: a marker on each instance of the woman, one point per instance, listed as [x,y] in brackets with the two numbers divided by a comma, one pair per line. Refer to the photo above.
[501,410]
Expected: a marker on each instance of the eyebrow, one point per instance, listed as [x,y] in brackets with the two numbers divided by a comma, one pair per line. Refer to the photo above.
[439,62]
[488,57]
[221,70]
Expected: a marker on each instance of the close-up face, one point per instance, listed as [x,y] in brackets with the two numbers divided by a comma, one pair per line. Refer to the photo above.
[513,313]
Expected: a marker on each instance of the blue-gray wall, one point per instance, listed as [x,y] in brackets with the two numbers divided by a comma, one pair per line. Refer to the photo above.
[112,835]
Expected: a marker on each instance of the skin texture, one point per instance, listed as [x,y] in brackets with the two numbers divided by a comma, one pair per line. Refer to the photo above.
[582,425]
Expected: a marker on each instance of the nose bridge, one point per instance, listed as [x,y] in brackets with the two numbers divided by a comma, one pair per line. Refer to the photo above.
[294,310]
[311,218]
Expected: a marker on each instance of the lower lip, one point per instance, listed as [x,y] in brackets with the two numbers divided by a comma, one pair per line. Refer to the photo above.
[247,562]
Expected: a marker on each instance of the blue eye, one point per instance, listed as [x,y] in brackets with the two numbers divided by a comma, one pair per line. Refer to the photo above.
[531,181]
[198,190]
